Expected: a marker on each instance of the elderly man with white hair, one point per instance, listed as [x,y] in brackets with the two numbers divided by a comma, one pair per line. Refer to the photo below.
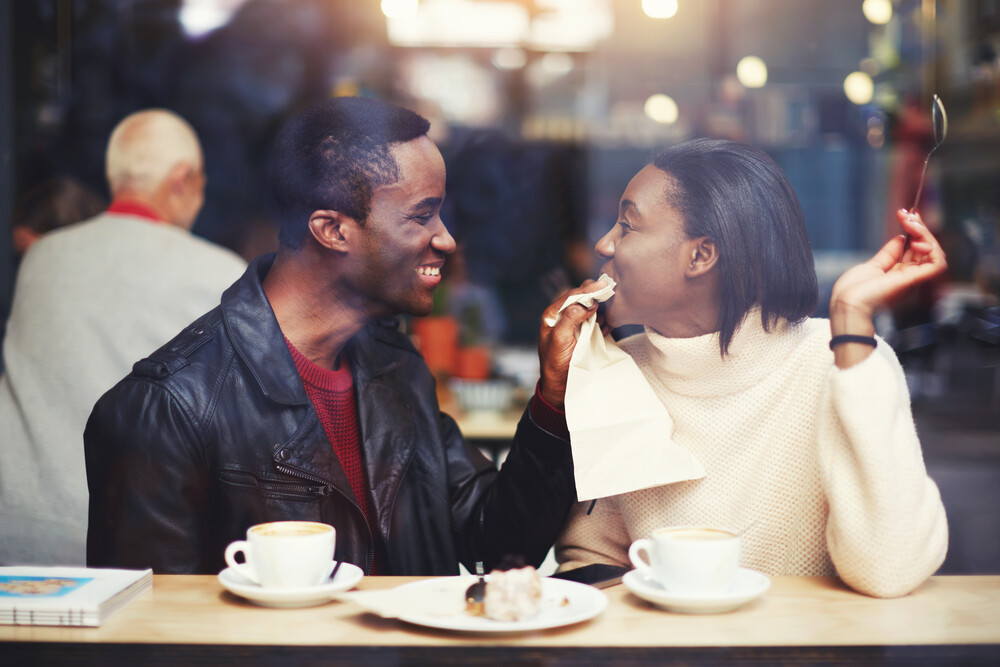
[90,299]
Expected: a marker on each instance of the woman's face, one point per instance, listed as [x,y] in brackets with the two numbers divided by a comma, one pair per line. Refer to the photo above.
[647,253]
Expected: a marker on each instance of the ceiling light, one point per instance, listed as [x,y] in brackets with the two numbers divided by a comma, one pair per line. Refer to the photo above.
[752,72]
[878,12]
[400,9]
[662,109]
[859,88]
[200,17]
[659,9]
[509,58]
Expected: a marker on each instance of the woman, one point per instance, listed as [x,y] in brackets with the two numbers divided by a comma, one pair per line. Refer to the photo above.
[807,440]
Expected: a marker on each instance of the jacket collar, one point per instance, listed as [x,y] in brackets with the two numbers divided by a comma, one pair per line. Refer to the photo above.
[253,329]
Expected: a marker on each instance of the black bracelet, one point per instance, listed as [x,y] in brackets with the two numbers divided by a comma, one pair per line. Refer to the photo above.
[851,338]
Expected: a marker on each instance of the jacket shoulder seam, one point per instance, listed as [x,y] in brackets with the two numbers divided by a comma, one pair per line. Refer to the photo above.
[185,407]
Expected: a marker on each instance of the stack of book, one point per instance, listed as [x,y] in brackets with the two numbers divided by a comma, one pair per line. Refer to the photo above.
[66,595]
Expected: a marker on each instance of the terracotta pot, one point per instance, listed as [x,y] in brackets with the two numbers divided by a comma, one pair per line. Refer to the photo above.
[474,362]
[438,342]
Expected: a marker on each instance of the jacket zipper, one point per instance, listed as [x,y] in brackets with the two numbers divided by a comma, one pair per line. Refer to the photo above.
[351,500]
[270,486]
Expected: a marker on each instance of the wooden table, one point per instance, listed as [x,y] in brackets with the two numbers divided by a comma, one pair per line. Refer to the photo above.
[492,433]
[192,619]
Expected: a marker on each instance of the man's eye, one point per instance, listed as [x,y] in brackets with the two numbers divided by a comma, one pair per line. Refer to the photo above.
[423,219]
[626,228]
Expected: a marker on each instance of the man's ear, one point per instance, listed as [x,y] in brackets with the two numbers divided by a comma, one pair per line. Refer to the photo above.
[331,229]
[704,255]
[177,178]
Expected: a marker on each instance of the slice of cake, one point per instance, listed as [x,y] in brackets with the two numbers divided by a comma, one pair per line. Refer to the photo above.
[513,595]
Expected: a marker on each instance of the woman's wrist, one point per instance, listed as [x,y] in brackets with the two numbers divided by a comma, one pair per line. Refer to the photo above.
[852,329]
[849,319]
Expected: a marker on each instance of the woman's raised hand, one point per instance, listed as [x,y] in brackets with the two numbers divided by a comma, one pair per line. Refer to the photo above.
[864,289]
[556,343]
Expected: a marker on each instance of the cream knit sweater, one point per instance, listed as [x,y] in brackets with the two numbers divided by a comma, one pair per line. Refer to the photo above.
[819,468]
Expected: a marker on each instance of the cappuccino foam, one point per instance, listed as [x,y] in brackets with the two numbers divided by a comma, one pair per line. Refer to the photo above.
[290,529]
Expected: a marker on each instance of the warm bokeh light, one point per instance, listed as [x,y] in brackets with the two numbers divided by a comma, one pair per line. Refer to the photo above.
[547,69]
[878,12]
[752,72]
[556,64]
[659,9]
[398,9]
[200,17]
[571,25]
[876,132]
[509,58]
[859,88]
[564,25]
[662,109]
[449,23]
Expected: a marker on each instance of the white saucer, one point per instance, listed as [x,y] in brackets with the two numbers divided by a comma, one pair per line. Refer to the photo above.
[749,584]
[347,577]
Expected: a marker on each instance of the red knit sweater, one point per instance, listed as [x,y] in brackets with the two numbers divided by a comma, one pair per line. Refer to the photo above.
[332,396]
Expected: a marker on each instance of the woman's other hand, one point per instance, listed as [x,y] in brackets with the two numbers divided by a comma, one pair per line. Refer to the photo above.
[556,343]
[868,287]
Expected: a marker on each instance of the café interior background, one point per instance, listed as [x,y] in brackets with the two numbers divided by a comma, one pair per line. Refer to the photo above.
[543,110]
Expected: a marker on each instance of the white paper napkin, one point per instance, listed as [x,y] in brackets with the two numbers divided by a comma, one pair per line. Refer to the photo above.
[443,600]
[620,431]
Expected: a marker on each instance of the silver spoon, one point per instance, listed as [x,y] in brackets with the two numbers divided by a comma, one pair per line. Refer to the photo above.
[940,121]
[475,595]
[333,574]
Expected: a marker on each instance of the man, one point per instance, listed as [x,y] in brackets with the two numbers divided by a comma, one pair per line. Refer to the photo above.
[89,300]
[298,399]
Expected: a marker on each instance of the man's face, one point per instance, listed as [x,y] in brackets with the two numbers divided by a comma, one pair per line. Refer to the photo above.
[403,241]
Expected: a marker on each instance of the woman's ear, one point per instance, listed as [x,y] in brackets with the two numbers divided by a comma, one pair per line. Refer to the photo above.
[704,255]
[331,229]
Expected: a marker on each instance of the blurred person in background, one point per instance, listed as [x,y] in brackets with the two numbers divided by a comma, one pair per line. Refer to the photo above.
[802,424]
[90,299]
[55,203]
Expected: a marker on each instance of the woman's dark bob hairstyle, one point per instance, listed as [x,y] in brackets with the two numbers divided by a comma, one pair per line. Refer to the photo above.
[736,195]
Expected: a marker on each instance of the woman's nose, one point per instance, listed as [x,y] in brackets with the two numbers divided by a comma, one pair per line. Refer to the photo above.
[606,246]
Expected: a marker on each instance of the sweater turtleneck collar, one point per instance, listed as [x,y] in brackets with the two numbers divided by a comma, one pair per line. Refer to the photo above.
[695,367]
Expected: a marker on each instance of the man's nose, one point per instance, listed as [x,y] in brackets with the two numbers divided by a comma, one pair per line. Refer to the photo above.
[442,240]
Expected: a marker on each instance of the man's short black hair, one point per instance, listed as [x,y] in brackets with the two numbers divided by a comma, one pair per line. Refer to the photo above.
[736,195]
[333,155]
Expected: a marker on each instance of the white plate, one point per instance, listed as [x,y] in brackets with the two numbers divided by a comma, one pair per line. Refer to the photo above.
[749,584]
[347,577]
[563,603]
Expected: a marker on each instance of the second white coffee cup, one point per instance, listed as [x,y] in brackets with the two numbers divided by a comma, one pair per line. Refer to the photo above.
[285,554]
[689,559]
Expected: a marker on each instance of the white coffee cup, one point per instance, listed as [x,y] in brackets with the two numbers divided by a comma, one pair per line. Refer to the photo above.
[285,554]
[689,559]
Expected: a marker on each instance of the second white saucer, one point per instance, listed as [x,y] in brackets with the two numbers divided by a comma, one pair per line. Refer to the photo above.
[347,577]
[749,584]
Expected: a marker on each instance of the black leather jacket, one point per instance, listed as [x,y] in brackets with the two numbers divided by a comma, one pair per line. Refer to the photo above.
[214,432]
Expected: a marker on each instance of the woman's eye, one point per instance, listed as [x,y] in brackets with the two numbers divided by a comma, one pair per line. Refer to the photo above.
[626,228]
